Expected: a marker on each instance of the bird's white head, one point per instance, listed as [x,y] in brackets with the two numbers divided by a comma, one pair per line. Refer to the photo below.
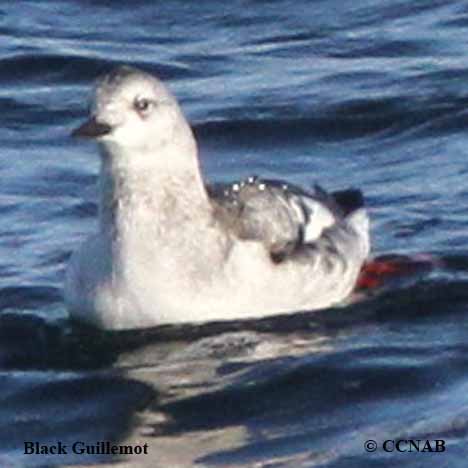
[132,111]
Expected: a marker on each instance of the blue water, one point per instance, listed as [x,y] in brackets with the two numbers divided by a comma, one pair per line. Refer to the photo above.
[369,93]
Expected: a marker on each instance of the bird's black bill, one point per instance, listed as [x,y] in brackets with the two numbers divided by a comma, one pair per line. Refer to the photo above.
[92,129]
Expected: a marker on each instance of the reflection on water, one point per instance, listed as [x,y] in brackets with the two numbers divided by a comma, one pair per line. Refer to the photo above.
[301,390]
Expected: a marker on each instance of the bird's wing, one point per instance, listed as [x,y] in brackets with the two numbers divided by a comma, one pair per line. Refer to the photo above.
[286,218]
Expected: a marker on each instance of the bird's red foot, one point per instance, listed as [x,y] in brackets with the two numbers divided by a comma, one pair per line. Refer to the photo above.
[375,273]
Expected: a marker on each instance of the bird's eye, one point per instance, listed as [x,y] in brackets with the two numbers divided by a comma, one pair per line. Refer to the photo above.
[142,104]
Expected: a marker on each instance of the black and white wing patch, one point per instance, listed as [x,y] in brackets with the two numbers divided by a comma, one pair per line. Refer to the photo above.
[282,216]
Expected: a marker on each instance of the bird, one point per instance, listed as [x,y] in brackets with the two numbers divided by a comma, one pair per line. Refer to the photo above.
[170,248]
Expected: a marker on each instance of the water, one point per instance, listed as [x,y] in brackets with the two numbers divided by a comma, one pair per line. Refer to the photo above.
[366,93]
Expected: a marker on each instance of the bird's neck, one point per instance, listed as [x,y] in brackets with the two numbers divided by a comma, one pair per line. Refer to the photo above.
[146,189]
